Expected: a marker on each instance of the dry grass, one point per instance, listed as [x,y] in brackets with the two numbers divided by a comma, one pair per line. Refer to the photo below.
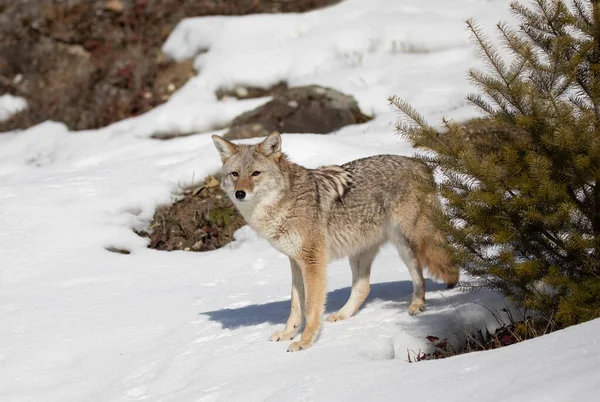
[509,331]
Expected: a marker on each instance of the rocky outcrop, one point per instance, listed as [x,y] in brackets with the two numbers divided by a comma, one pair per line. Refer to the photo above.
[308,109]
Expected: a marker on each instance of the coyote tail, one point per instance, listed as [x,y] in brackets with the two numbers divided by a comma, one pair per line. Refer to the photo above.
[433,255]
[432,250]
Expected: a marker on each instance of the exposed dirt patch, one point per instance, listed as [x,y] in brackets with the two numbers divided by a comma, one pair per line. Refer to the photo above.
[204,219]
[89,63]
[308,109]
[117,250]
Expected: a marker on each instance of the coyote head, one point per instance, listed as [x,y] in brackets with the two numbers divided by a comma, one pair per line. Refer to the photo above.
[250,172]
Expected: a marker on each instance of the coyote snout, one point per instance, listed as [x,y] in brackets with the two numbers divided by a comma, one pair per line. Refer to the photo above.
[244,186]
[318,215]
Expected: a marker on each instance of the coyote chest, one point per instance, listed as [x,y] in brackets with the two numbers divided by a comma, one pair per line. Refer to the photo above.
[277,230]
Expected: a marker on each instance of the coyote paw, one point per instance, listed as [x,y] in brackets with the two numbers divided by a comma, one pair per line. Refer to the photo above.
[283,335]
[298,346]
[336,317]
[416,308]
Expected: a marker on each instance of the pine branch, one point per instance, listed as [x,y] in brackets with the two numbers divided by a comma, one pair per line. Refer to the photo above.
[583,15]
[478,101]
[407,110]
[596,216]
[490,53]
[495,90]
[550,20]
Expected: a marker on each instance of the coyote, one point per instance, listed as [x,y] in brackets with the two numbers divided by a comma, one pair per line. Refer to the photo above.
[318,215]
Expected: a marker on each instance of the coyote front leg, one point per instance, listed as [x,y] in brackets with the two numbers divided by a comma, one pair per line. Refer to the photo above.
[315,277]
[296,309]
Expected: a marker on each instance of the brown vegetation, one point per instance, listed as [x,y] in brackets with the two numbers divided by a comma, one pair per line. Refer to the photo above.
[204,219]
[509,332]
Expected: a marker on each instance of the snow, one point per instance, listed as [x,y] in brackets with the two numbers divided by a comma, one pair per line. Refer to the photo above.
[78,322]
[10,105]
[370,49]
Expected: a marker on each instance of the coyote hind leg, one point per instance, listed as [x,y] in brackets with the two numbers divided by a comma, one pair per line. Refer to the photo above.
[409,256]
[361,274]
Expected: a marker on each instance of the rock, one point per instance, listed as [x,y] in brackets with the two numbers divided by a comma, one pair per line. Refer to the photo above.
[308,109]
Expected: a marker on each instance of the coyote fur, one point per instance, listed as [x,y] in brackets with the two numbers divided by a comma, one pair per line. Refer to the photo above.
[318,215]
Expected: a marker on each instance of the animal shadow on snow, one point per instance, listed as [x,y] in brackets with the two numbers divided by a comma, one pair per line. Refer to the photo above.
[277,312]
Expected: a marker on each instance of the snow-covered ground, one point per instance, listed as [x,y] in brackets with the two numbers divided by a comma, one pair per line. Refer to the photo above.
[10,105]
[80,323]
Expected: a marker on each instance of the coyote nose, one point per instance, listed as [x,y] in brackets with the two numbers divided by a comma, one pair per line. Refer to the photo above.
[240,195]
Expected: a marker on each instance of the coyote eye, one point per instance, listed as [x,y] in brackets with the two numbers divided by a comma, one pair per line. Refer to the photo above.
[255,173]
[234,174]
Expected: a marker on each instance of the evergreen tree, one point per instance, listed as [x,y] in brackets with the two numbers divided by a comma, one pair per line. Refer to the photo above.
[522,206]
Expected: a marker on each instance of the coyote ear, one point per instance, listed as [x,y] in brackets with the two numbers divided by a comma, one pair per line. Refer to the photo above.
[271,146]
[226,149]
